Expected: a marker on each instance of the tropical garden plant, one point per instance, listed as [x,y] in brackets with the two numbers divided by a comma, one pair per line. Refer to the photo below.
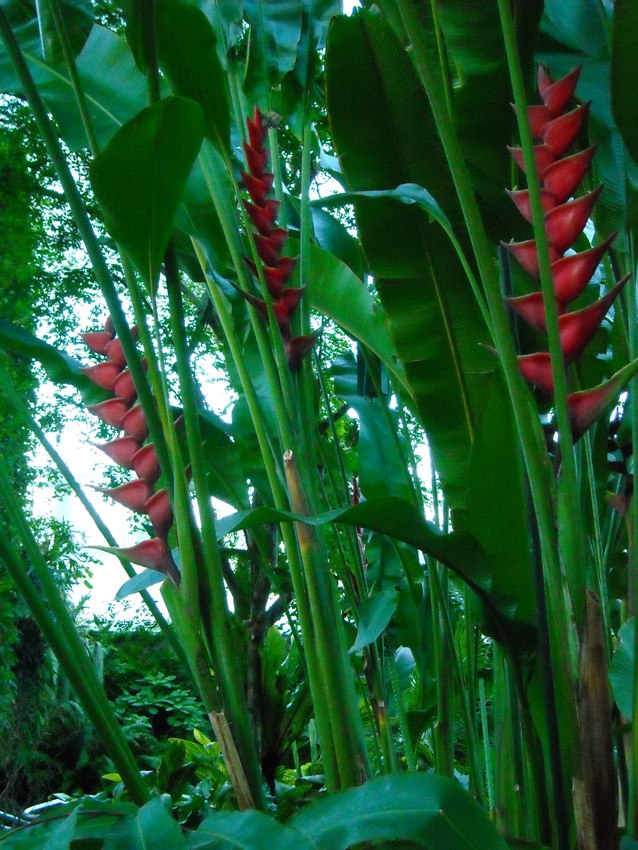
[456,654]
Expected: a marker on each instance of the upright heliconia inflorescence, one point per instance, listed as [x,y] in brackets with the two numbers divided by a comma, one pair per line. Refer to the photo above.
[129,451]
[560,172]
[269,242]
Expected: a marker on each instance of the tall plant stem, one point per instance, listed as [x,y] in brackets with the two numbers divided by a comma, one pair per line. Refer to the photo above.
[633,563]
[280,500]
[50,612]
[87,235]
[229,666]
[339,689]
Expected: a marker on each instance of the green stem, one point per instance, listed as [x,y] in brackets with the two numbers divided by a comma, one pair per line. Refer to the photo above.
[280,500]
[230,668]
[50,612]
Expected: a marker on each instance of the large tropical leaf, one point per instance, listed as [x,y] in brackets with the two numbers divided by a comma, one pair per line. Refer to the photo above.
[187,53]
[77,18]
[336,291]
[139,179]
[114,88]
[385,136]
[59,366]
[430,811]
[275,31]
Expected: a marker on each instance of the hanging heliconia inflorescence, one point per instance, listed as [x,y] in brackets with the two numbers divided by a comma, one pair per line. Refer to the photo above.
[560,174]
[129,451]
[269,242]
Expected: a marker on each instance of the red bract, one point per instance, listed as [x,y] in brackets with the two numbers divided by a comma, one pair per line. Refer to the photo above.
[102,374]
[153,554]
[564,222]
[269,242]
[133,495]
[122,450]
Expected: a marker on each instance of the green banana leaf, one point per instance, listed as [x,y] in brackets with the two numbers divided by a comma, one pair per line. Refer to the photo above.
[385,137]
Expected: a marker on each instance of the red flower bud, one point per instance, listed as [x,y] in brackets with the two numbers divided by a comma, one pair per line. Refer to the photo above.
[257,159]
[521,199]
[531,308]
[556,95]
[543,156]
[577,328]
[153,554]
[296,349]
[257,187]
[115,352]
[134,423]
[587,406]
[97,340]
[110,411]
[537,369]
[102,374]
[257,132]
[124,387]
[121,450]
[527,255]
[158,507]
[133,495]
[146,464]
[263,217]
[269,247]
[537,117]
[572,274]
[109,327]
[562,178]
[560,133]
[565,223]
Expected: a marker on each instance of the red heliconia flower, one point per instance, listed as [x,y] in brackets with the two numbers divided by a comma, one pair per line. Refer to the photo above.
[578,327]
[146,464]
[134,423]
[123,386]
[531,308]
[543,157]
[122,450]
[572,274]
[136,495]
[521,199]
[587,406]
[97,340]
[115,352]
[133,495]
[110,411]
[556,95]
[158,507]
[560,133]
[296,349]
[562,178]
[564,221]
[153,554]
[102,374]
[537,369]
[270,240]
